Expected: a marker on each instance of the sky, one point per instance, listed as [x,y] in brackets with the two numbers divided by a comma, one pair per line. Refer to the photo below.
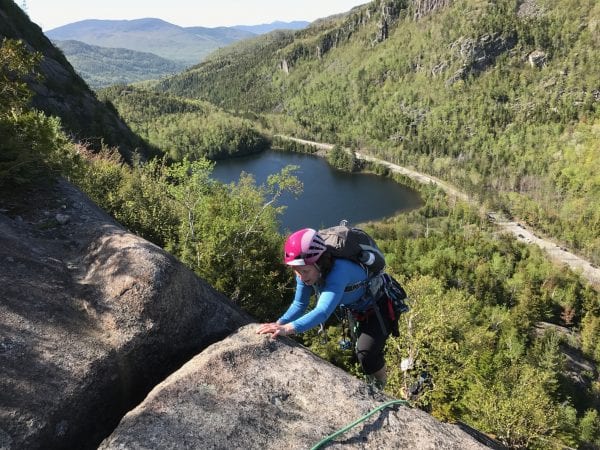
[49,14]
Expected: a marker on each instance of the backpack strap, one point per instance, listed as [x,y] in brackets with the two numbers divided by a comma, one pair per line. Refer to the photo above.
[364,283]
[355,286]
[372,292]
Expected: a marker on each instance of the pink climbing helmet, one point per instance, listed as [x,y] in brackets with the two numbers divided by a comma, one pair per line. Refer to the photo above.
[303,247]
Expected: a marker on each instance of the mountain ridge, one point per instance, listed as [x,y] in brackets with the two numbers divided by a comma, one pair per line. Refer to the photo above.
[187,45]
[147,35]
[275,25]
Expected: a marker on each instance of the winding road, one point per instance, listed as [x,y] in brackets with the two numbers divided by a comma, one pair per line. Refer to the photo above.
[521,232]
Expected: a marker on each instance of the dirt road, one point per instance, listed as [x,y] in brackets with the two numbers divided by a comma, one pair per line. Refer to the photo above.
[556,253]
[524,234]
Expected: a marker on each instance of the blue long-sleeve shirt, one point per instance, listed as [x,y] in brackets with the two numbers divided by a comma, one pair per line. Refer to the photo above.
[343,273]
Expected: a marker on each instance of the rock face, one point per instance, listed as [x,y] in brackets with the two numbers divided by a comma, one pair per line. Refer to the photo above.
[251,392]
[384,15]
[478,55]
[423,8]
[91,317]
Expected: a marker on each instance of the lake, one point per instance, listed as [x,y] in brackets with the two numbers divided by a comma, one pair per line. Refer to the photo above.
[328,196]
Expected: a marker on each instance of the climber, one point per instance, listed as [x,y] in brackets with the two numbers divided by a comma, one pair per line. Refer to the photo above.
[336,282]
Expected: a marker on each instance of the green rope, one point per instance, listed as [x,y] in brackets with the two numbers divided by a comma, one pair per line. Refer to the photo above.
[356,422]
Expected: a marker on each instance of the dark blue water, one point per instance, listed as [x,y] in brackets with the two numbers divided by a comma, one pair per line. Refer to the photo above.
[328,196]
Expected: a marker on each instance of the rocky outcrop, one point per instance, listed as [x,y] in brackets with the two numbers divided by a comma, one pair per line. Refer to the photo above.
[423,8]
[91,317]
[537,58]
[251,392]
[292,55]
[324,35]
[478,55]
[389,13]
[321,42]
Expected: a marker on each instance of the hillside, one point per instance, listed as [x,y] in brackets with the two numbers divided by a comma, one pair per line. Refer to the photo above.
[183,45]
[184,128]
[62,93]
[245,68]
[500,98]
[103,66]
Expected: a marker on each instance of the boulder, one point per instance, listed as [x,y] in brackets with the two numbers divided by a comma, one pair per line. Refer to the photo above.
[249,391]
[537,58]
[91,318]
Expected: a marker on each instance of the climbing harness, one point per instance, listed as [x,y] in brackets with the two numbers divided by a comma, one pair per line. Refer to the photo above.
[351,318]
[356,422]
[349,329]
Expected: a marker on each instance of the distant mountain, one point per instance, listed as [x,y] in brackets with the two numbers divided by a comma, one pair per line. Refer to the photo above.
[277,25]
[222,35]
[182,45]
[103,66]
[107,52]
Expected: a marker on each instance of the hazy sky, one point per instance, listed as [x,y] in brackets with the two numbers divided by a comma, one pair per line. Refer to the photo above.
[50,14]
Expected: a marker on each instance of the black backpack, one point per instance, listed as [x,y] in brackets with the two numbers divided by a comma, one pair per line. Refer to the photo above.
[354,244]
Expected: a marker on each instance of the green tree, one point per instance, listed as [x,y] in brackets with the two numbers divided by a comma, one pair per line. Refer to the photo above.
[32,145]
[515,408]
[190,183]
[590,428]
[342,159]
[590,336]
[16,63]
[229,235]
[147,209]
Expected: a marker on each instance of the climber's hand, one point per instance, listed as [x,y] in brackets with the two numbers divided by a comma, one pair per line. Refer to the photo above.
[275,329]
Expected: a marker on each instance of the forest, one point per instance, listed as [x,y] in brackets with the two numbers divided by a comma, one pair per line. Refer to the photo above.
[494,326]
[102,67]
[183,127]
